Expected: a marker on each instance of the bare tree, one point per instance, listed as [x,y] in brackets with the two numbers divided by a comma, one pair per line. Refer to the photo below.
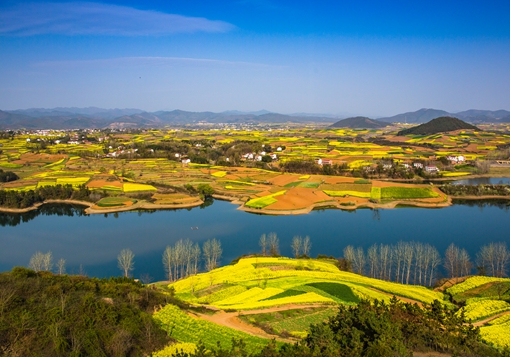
[502,258]
[465,262]
[47,261]
[373,260]
[384,262]
[212,253]
[408,260]
[297,242]
[40,261]
[435,260]
[398,260]
[195,258]
[126,261]
[349,255]
[493,258]
[419,262]
[359,265]
[168,262]
[307,245]
[216,252]
[273,242]
[263,244]
[456,261]
[61,266]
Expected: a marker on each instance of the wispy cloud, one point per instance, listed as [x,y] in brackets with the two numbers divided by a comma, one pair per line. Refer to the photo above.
[87,18]
[145,61]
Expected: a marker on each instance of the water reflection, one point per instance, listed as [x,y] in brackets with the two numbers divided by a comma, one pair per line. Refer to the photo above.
[483,181]
[52,209]
[92,243]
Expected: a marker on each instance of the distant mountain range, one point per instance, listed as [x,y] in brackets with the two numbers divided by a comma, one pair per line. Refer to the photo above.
[438,125]
[92,117]
[473,116]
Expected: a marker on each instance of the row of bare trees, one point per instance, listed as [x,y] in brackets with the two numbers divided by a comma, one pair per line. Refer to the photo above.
[405,262]
[301,246]
[418,263]
[183,259]
[269,244]
[493,258]
[44,262]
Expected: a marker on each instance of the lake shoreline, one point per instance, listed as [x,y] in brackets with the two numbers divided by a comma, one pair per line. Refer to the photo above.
[144,205]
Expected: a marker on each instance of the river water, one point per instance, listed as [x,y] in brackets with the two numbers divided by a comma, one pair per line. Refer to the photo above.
[91,243]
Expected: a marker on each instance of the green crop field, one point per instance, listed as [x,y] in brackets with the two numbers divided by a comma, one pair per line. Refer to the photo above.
[265,282]
[478,310]
[347,193]
[114,201]
[474,282]
[407,193]
[185,328]
[264,201]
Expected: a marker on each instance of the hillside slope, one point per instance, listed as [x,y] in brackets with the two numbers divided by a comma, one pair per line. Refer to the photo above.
[438,125]
[359,123]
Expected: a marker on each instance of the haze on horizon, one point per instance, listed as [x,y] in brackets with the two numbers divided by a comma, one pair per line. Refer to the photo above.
[374,58]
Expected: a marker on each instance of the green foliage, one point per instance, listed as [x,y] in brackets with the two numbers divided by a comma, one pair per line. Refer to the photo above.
[23,199]
[476,190]
[8,176]
[42,314]
[205,190]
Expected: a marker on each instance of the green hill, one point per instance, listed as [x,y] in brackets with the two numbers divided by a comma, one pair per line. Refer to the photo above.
[359,123]
[438,125]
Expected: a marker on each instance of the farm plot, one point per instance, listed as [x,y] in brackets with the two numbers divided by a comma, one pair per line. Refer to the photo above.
[294,321]
[185,328]
[481,309]
[115,202]
[271,281]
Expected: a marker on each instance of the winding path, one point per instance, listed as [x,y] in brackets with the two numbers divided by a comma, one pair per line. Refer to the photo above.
[232,320]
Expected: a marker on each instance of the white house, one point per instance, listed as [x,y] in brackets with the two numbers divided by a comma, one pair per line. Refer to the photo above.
[431,169]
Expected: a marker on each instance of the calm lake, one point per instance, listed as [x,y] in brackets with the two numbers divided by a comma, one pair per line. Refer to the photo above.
[94,241]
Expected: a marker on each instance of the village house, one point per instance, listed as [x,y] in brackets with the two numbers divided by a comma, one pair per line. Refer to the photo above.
[431,169]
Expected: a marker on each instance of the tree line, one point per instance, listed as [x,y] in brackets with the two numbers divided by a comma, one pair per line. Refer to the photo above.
[476,190]
[24,199]
[419,263]
[405,262]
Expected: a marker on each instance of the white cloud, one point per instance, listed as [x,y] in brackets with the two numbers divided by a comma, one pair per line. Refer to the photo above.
[87,18]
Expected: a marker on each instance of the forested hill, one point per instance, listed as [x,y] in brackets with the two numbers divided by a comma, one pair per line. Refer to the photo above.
[42,314]
[438,125]
[359,123]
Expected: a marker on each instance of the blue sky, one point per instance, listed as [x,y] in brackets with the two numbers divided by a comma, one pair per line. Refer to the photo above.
[374,58]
